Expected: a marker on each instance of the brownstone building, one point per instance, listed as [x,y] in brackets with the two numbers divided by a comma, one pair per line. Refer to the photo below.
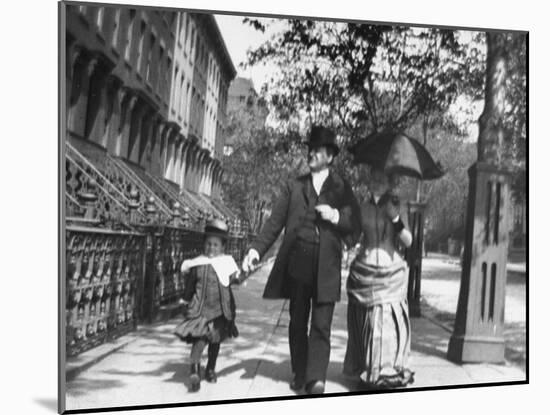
[149,87]
[144,122]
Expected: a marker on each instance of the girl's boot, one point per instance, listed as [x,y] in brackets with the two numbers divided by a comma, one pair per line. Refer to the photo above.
[210,374]
[195,377]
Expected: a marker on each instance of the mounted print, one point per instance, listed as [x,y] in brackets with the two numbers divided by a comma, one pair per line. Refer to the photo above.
[257,207]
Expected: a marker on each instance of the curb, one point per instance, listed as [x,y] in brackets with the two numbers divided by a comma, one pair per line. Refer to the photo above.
[72,372]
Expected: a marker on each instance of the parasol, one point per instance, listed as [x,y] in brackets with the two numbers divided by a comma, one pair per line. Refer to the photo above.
[395,152]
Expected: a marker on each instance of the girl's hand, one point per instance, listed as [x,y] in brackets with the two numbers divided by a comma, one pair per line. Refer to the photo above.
[234,279]
[185,266]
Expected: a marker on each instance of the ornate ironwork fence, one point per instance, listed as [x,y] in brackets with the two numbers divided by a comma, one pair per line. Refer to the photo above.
[125,246]
[167,248]
[104,281]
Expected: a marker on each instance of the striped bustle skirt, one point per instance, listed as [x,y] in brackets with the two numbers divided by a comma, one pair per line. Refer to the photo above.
[379,331]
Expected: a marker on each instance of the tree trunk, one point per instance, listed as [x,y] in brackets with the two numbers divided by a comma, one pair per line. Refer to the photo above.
[491,131]
[425,140]
[478,334]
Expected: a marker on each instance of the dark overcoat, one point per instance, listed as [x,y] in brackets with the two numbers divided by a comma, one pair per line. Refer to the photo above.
[288,212]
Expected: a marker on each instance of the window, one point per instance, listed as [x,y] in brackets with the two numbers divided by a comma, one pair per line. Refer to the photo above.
[188,100]
[181,30]
[166,72]
[192,44]
[129,32]
[116,24]
[172,19]
[198,50]
[150,58]
[175,90]
[142,28]
[181,112]
[186,31]
[180,27]
[100,15]
[161,70]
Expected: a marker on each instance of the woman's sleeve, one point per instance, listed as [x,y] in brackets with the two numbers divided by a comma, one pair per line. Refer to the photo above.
[404,216]
[349,223]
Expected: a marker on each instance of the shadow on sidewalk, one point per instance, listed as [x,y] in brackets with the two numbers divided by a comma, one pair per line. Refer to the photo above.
[515,350]
[263,367]
[430,344]
[83,387]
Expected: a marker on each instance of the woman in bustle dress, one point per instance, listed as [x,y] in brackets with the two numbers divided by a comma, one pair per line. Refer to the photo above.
[379,332]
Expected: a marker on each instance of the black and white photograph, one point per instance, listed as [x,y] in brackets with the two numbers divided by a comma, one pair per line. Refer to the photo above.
[258,206]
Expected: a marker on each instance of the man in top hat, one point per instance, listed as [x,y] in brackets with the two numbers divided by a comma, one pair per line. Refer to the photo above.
[317,210]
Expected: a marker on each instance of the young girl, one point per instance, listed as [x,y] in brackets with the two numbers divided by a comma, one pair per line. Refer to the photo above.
[209,315]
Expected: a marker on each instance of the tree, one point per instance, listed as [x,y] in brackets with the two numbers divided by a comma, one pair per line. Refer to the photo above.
[362,78]
[504,121]
[261,159]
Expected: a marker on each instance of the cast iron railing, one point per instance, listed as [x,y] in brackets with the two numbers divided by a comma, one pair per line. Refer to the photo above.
[104,285]
[127,188]
[161,196]
[124,249]
[194,209]
[87,187]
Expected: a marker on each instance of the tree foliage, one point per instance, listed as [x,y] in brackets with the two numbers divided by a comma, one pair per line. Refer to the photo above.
[361,78]
[262,158]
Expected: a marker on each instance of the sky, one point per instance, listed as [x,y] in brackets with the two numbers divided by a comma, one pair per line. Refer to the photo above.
[239,38]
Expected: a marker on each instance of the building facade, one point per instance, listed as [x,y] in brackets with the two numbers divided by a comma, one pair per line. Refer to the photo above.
[149,87]
[145,100]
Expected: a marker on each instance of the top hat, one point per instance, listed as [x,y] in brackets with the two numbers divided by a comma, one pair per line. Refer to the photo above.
[320,136]
[216,227]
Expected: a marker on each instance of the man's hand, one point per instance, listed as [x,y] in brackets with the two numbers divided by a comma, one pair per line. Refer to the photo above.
[248,262]
[328,213]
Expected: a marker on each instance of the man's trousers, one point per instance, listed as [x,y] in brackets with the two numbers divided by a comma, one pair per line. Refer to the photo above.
[310,353]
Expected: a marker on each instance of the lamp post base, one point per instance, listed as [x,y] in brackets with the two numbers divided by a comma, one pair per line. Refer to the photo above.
[476,349]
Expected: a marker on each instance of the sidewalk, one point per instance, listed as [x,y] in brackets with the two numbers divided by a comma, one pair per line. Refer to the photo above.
[151,365]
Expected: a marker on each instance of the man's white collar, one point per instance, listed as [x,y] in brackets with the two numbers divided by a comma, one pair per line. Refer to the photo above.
[320,174]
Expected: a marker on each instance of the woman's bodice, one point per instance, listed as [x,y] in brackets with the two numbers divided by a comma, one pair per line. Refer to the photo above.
[379,240]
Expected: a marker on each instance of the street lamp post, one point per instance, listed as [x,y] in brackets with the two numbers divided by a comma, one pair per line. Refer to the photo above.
[478,330]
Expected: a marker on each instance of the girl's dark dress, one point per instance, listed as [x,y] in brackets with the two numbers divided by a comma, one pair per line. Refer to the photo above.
[211,312]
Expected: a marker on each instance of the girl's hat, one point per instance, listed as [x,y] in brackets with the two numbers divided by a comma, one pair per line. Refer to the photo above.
[216,227]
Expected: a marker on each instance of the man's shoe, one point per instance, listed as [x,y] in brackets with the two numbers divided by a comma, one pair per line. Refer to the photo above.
[316,387]
[296,384]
